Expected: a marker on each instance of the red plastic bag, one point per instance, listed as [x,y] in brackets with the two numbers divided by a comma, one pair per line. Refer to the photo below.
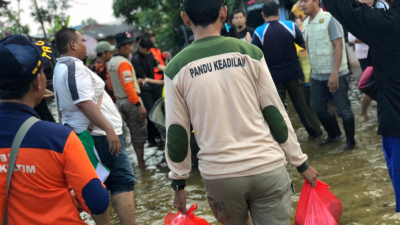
[318,206]
[188,219]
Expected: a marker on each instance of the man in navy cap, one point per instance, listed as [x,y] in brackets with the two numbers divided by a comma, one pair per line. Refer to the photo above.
[126,89]
[47,164]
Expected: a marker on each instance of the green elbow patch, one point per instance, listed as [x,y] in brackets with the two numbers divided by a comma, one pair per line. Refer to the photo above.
[276,124]
[177,143]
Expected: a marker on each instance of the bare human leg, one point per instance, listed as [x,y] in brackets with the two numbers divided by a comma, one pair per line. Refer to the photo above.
[124,206]
[366,102]
[140,156]
[103,219]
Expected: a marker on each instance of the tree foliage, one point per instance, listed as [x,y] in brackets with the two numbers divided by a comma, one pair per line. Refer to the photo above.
[10,23]
[89,21]
[52,15]
[161,16]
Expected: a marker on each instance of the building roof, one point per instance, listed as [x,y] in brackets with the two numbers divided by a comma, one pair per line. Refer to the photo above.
[3,3]
[100,32]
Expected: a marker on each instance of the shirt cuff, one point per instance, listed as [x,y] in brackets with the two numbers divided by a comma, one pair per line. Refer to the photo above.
[178,182]
[303,167]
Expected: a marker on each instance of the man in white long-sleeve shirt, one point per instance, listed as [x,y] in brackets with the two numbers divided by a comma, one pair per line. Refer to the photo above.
[222,86]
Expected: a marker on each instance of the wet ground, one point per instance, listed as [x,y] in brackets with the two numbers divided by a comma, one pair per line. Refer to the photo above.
[358,178]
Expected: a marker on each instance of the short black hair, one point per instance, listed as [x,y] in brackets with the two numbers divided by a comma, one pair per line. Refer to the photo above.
[146,43]
[138,39]
[270,8]
[203,12]
[17,93]
[236,11]
[63,38]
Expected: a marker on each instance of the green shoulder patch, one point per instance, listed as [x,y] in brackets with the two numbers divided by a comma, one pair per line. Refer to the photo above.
[276,123]
[177,143]
[210,46]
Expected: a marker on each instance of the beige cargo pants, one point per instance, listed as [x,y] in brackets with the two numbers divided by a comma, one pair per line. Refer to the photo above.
[266,196]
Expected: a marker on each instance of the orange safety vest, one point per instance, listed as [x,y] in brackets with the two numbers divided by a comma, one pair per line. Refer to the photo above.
[158,56]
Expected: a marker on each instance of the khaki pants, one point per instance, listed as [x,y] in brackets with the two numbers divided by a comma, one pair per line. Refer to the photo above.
[266,196]
[137,127]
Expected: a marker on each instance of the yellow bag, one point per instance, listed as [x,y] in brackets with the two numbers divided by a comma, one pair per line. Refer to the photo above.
[304,62]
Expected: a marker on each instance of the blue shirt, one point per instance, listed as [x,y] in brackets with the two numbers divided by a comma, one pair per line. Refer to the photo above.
[276,39]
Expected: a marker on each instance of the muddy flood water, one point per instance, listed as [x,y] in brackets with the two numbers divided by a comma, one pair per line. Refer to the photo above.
[359,178]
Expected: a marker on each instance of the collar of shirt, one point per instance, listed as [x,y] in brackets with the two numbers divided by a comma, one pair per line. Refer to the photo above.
[67,58]
[12,108]
[142,55]
[121,55]
[316,21]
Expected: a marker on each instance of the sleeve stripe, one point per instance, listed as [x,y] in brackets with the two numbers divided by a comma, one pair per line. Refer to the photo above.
[71,80]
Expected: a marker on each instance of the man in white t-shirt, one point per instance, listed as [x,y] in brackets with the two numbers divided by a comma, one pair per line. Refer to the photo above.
[78,90]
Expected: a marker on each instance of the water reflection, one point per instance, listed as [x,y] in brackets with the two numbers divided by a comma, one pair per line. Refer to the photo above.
[358,178]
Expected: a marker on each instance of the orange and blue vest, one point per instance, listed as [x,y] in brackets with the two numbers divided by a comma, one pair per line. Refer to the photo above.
[51,161]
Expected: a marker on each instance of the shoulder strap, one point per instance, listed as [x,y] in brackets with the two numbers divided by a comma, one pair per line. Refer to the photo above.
[58,108]
[19,137]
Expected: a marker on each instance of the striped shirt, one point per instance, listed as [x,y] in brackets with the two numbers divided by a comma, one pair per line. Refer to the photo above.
[73,83]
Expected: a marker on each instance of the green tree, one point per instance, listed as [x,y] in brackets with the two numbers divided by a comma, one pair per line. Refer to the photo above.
[89,21]
[41,16]
[161,16]
[9,23]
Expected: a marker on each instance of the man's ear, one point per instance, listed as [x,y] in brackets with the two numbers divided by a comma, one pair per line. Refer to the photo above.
[223,13]
[37,84]
[72,44]
[263,16]
[185,19]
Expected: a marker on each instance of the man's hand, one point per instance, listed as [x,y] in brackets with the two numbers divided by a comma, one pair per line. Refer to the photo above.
[311,176]
[299,24]
[48,94]
[248,37]
[180,201]
[141,82]
[333,82]
[115,143]
[142,112]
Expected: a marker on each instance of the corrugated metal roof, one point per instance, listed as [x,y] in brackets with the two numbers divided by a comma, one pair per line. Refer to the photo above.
[101,32]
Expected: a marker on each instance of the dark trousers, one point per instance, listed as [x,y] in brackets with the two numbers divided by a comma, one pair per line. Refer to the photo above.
[301,102]
[149,98]
[364,63]
[44,112]
[320,98]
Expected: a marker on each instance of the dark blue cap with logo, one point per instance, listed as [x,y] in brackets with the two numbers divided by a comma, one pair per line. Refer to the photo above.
[123,38]
[21,60]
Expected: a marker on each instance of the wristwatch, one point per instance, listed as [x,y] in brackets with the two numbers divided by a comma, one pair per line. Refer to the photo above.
[178,187]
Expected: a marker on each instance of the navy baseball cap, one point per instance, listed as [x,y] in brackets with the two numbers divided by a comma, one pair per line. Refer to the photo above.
[21,60]
[123,38]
